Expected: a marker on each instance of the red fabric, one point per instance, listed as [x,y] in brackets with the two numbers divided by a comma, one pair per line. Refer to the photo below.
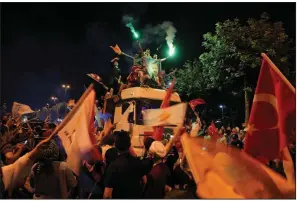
[272,119]
[213,131]
[95,152]
[146,133]
[158,131]
[194,103]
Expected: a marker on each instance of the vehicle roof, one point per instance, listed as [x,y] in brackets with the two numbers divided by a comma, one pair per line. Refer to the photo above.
[147,93]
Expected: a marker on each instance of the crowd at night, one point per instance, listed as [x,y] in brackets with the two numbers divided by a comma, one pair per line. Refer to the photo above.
[153,101]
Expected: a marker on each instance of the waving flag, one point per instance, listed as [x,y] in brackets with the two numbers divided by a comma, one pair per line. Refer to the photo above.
[272,122]
[158,131]
[19,109]
[213,131]
[194,103]
[95,77]
[224,172]
[77,129]
[173,115]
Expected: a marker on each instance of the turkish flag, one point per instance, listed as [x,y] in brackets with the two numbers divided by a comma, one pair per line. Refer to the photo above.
[194,103]
[213,131]
[272,120]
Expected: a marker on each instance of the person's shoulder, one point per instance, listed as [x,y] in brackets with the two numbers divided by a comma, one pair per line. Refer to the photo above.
[62,165]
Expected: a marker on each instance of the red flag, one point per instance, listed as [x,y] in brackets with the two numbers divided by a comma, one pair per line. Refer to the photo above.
[95,77]
[158,131]
[194,103]
[213,131]
[272,119]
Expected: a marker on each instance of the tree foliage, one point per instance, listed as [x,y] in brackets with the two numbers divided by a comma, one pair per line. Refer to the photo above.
[189,80]
[234,51]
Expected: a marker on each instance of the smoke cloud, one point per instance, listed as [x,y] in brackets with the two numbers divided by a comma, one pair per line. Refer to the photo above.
[128,20]
[170,32]
[153,34]
[158,34]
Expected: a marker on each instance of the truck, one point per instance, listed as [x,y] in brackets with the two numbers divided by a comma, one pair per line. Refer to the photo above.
[127,113]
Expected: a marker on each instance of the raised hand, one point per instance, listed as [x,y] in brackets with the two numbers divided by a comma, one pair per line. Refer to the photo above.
[116,49]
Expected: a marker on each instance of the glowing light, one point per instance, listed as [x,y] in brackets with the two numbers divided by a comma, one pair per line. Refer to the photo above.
[65,86]
[171,50]
[136,35]
[25,119]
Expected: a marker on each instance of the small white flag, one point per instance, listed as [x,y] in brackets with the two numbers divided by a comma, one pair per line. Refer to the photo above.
[19,109]
[173,115]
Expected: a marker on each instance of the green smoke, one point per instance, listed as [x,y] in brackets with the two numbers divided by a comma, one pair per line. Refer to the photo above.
[135,34]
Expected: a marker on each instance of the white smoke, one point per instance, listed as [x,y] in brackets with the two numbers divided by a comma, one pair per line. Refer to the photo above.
[153,34]
[170,32]
[157,34]
[127,19]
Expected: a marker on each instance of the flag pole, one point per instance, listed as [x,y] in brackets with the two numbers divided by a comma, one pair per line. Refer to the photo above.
[194,111]
[278,71]
[73,111]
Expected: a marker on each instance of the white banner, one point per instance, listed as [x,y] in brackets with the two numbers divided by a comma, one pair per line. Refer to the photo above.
[75,135]
[173,115]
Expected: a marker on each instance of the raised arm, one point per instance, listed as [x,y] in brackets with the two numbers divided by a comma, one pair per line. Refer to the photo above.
[177,133]
[118,51]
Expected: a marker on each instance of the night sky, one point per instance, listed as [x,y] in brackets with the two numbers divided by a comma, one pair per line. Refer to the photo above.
[44,45]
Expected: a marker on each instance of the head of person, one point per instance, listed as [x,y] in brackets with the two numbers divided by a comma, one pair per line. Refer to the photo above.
[49,151]
[108,139]
[241,135]
[111,154]
[148,52]
[155,56]
[4,119]
[234,131]
[148,142]
[235,137]
[122,141]
[157,151]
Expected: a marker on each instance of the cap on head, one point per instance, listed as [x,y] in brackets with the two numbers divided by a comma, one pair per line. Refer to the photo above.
[158,149]
[51,151]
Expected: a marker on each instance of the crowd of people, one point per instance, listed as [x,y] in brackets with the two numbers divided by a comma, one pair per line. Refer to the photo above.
[34,165]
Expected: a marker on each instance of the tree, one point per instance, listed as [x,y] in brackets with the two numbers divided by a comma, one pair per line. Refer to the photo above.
[233,56]
[189,81]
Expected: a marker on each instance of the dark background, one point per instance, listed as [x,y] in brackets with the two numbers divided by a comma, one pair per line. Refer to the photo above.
[44,45]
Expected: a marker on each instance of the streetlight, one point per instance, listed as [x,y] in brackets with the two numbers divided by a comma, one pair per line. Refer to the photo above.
[222,107]
[65,86]
[54,99]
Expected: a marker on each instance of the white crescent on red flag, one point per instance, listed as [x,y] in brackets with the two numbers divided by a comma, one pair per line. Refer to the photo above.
[272,122]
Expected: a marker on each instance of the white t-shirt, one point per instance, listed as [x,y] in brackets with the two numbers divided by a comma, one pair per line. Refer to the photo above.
[14,175]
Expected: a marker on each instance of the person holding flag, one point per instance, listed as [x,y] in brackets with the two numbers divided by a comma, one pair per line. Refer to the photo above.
[275,96]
